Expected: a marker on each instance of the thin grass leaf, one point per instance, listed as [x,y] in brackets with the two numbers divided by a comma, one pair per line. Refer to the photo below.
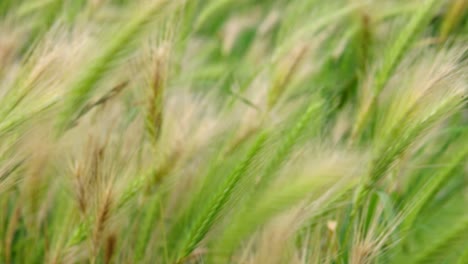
[431,186]
[446,245]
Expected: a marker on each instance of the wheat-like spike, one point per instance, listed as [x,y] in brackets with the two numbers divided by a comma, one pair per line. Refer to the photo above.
[207,217]
[394,54]
[282,152]
[82,231]
[101,223]
[81,89]
[155,105]
[390,151]
[79,234]
[111,242]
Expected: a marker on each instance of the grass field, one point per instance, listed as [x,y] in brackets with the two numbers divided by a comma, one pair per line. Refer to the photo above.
[234,131]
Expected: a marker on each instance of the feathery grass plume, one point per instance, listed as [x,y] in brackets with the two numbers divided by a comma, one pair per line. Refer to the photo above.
[390,153]
[427,72]
[82,88]
[35,179]
[88,177]
[35,90]
[275,243]
[392,57]
[425,107]
[325,180]
[98,173]
[206,217]
[10,124]
[27,79]
[39,16]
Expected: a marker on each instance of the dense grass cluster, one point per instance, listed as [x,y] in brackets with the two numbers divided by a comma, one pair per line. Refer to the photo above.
[222,131]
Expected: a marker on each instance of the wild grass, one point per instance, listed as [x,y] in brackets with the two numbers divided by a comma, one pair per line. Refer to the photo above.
[220,131]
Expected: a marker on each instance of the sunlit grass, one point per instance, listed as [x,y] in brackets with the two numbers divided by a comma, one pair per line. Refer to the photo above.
[221,131]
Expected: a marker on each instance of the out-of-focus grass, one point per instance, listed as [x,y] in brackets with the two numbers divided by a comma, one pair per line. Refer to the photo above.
[221,131]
